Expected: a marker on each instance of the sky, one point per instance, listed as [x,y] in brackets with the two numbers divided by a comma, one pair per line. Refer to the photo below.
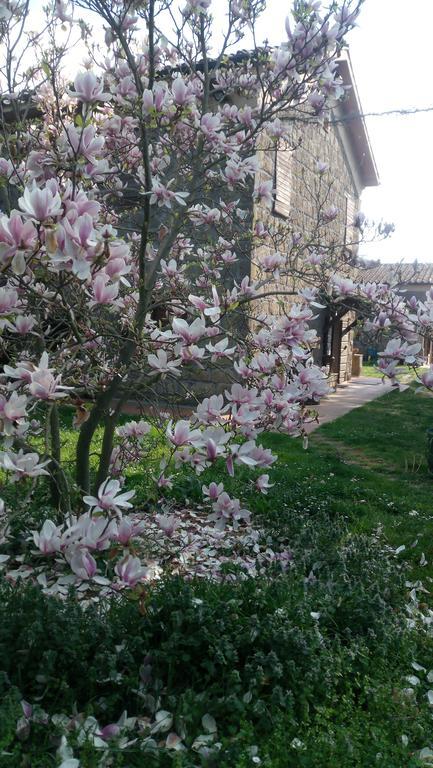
[391,56]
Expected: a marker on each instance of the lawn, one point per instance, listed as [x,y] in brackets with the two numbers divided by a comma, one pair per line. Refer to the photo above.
[308,666]
[371,467]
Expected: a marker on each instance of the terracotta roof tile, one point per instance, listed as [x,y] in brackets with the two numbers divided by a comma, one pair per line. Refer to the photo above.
[399,274]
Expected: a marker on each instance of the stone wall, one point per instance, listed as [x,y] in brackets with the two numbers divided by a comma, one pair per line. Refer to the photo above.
[301,192]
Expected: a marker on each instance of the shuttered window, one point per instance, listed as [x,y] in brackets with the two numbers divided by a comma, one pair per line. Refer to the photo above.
[283,181]
[350,234]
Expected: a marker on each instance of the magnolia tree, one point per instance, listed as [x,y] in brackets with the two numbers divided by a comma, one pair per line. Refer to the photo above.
[130,263]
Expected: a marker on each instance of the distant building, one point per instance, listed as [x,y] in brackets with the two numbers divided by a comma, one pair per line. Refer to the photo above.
[409,279]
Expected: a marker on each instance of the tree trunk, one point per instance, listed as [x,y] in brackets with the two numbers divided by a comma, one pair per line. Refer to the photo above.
[107,446]
[60,494]
[87,431]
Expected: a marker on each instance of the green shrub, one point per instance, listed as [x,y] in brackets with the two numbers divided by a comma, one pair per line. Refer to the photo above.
[284,655]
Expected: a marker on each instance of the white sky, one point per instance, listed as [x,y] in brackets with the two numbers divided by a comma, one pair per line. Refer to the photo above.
[391,52]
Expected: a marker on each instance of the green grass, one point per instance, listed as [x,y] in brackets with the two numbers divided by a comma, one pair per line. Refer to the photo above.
[368,369]
[370,466]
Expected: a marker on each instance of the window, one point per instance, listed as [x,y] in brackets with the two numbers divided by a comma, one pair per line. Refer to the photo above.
[350,231]
[283,181]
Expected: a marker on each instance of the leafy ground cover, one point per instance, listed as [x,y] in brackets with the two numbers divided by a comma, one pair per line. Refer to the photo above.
[326,661]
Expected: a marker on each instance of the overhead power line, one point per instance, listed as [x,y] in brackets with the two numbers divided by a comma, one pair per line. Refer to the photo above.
[385,113]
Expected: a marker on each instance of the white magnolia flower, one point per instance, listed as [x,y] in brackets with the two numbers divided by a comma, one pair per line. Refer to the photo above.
[109,498]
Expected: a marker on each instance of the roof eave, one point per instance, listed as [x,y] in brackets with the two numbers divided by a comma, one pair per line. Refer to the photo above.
[355,126]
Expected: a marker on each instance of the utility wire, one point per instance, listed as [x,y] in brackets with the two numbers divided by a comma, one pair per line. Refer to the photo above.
[389,112]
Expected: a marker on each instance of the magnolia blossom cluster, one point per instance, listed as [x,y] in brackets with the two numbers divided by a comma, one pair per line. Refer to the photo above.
[109,548]
[23,386]
[79,541]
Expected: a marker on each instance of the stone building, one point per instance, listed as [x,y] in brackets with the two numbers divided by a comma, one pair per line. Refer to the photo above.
[344,146]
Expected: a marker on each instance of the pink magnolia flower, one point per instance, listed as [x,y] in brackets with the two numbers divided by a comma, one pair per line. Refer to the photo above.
[313,382]
[24,324]
[48,540]
[12,411]
[210,124]
[164,196]
[61,11]
[212,442]
[396,349]
[321,167]
[388,368]
[83,142]
[181,92]
[109,499]
[317,101]
[116,269]
[220,350]
[40,204]
[167,523]
[192,354]
[189,333]
[244,454]
[343,286]
[225,509]
[103,291]
[23,464]
[213,490]
[315,258]
[15,233]
[160,96]
[127,529]
[210,409]
[148,105]
[161,364]
[135,429]
[247,288]
[91,532]
[198,302]
[45,386]
[263,484]
[83,564]
[272,261]
[265,192]
[87,88]
[427,378]
[130,571]
[330,213]
[171,268]
[182,433]
[239,395]
[9,302]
